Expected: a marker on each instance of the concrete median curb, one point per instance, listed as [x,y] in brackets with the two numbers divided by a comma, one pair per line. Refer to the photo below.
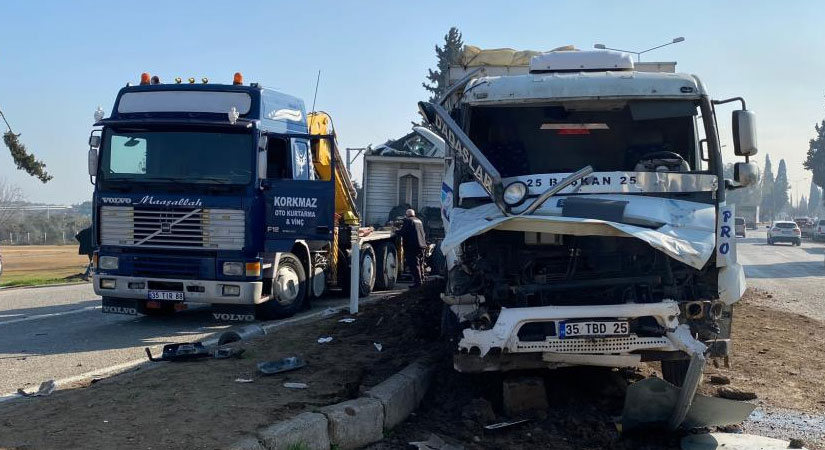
[353,423]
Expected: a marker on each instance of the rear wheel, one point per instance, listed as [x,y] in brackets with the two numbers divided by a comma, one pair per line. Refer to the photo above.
[386,258]
[288,290]
[368,270]
[674,371]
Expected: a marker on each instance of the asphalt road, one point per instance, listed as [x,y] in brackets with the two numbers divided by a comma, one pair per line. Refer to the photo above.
[60,333]
[795,276]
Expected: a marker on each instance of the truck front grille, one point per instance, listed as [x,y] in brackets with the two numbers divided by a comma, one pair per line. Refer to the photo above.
[146,266]
[157,227]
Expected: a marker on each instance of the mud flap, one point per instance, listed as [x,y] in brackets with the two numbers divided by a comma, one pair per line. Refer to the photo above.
[127,306]
[233,313]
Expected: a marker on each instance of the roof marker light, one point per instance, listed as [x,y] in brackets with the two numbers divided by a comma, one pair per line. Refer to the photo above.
[178,80]
[144,78]
[191,80]
[155,79]
[99,114]
[237,79]
[204,80]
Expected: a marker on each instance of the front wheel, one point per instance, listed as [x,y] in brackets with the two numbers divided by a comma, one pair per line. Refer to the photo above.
[288,290]
[368,270]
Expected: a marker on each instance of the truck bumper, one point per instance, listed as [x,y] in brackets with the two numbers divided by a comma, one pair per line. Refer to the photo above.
[619,351]
[194,291]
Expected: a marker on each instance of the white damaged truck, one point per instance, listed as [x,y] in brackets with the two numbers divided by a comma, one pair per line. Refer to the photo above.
[585,216]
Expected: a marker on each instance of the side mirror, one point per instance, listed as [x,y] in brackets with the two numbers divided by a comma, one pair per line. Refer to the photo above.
[94,141]
[92,160]
[745,174]
[744,133]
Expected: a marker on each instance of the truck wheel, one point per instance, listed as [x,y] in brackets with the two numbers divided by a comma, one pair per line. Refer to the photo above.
[387,262]
[674,371]
[289,289]
[368,270]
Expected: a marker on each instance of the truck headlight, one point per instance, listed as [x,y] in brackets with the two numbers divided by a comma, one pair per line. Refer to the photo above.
[108,262]
[515,193]
[108,283]
[233,269]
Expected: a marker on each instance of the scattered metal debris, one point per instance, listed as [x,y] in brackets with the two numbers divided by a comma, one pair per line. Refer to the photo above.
[281,365]
[652,401]
[324,340]
[497,426]
[180,352]
[244,380]
[378,346]
[224,353]
[46,388]
[733,393]
[296,385]
[435,442]
[346,320]
[329,312]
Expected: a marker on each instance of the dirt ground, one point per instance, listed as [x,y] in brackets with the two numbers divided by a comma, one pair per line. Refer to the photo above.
[41,261]
[198,405]
[779,356]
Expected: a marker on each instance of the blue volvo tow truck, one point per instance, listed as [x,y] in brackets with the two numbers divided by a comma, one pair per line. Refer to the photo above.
[228,195]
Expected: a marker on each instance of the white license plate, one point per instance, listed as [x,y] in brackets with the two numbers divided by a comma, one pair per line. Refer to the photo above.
[787,232]
[593,328]
[166,295]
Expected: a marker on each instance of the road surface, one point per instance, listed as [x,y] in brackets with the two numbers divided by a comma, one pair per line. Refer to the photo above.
[60,333]
[795,276]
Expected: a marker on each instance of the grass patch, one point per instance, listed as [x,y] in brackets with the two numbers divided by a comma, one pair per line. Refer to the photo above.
[38,281]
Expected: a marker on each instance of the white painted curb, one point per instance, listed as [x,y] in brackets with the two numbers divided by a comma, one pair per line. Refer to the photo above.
[351,424]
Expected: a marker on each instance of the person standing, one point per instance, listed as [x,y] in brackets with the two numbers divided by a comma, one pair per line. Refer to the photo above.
[415,242]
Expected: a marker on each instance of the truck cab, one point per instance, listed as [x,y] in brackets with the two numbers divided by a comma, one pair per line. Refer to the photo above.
[587,215]
[227,195]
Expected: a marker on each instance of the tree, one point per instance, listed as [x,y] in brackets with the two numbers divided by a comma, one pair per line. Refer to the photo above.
[449,54]
[802,207]
[814,200]
[815,160]
[23,159]
[10,198]
[767,206]
[780,188]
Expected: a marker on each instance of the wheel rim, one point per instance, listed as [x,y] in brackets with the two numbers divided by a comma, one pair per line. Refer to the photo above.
[390,266]
[368,269]
[287,285]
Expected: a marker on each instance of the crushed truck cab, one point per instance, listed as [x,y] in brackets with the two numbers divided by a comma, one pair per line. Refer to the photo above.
[585,214]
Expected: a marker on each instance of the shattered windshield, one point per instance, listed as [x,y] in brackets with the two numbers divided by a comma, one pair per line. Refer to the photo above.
[627,136]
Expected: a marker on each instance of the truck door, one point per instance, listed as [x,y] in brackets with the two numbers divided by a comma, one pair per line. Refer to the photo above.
[299,205]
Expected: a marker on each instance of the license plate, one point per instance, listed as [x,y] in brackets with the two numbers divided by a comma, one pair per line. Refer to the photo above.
[786,232]
[166,295]
[593,328]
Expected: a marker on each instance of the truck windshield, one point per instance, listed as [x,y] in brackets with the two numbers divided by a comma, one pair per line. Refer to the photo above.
[610,136]
[177,156]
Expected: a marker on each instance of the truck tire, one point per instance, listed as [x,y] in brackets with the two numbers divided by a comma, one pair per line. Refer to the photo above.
[368,270]
[386,258]
[289,290]
[674,371]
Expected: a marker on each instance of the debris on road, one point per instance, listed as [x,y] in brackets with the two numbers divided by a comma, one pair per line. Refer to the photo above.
[329,312]
[228,352]
[296,385]
[719,379]
[46,388]
[346,320]
[732,393]
[435,442]
[281,365]
[244,380]
[180,352]
[378,346]
[500,425]
[324,340]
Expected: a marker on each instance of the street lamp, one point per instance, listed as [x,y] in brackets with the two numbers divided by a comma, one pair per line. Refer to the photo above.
[639,54]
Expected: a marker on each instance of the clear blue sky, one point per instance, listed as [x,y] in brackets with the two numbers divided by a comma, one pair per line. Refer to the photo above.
[60,60]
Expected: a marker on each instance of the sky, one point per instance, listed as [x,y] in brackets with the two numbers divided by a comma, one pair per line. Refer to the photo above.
[60,60]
